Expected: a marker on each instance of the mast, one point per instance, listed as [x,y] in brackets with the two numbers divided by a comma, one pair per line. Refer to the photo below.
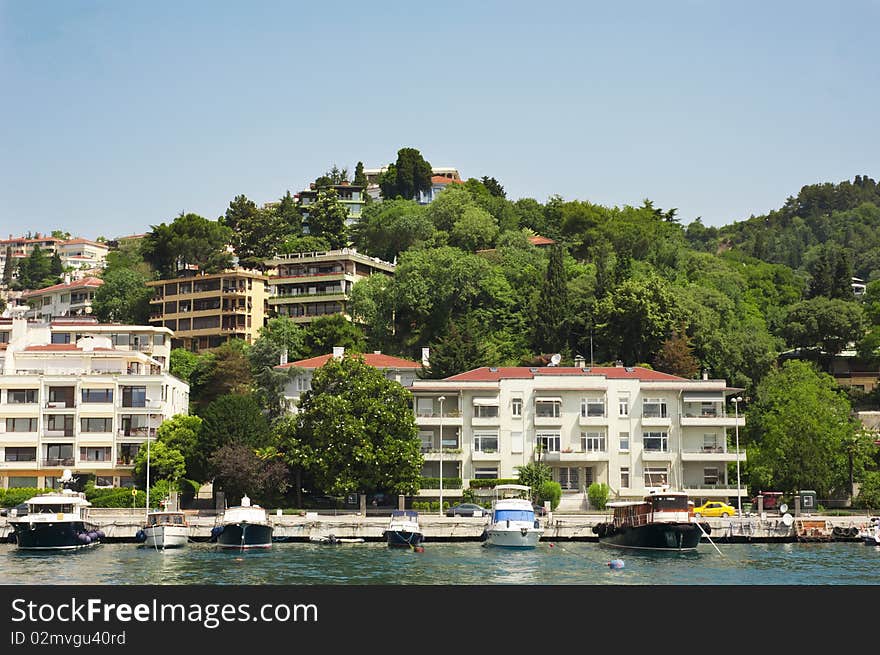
[147,508]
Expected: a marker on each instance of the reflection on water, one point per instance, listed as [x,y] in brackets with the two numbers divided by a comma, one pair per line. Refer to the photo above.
[551,563]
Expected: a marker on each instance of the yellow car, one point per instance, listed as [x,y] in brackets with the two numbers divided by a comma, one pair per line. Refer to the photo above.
[714,508]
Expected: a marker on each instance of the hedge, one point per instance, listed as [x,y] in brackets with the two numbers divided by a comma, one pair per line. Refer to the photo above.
[487,483]
[434,483]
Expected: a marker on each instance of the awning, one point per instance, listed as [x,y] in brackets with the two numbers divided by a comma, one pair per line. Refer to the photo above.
[486,401]
[716,397]
[548,399]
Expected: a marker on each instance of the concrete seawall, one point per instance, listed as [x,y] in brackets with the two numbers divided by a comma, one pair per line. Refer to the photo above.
[121,525]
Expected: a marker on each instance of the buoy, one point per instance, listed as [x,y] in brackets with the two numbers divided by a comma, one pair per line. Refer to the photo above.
[419,549]
[551,545]
[616,564]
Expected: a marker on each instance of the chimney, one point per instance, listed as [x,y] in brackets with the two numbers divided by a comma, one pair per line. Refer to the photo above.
[618,363]
[377,352]
[579,361]
[338,351]
[705,374]
[426,356]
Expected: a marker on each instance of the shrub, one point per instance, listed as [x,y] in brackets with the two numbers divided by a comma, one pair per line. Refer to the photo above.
[115,497]
[488,483]
[552,491]
[18,495]
[434,483]
[869,491]
[597,493]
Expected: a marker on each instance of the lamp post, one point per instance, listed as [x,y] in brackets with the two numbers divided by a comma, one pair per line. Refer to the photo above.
[440,400]
[736,402]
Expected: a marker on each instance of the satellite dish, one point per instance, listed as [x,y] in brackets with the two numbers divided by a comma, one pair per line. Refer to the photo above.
[787,519]
[783,508]
[66,476]
[554,361]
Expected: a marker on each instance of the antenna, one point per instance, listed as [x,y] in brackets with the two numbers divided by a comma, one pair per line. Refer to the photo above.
[555,359]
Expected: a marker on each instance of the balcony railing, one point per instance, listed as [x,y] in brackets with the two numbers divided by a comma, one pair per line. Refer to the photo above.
[57,461]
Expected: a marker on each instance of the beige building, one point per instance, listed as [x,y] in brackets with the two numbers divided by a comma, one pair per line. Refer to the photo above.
[79,395]
[631,428]
[308,285]
[61,300]
[206,311]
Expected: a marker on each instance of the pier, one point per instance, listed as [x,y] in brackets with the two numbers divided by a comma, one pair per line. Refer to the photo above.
[121,525]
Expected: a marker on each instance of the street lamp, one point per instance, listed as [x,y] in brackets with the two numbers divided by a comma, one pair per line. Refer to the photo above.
[440,400]
[736,402]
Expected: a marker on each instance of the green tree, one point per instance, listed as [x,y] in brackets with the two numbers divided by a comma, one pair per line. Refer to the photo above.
[279,337]
[597,493]
[181,433]
[476,229]
[34,271]
[457,351]
[327,332]
[8,268]
[676,356]
[257,234]
[189,239]
[220,371]
[550,490]
[166,463]
[327,216]
[362,428]
[182,363]
[493,186]
[56,268]
[385,229]
[534,475]
[123,298]
[360,178]
[230,419]
[289,215]
[334,176]
[407,177]
[240,470]
[550,322]
[799,428]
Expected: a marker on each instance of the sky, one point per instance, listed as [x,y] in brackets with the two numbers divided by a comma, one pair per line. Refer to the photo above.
[117,116]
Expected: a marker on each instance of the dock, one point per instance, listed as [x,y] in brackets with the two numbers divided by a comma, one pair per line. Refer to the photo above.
[121,525]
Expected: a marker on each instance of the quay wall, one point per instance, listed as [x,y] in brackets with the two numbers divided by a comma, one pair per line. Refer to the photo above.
[121,525]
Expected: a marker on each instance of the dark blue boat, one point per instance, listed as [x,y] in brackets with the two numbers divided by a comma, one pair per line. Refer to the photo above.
[55,521]
[403,529]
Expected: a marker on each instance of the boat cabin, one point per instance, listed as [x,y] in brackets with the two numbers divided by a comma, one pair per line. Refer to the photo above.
[662,506]
[166,518]
[57,503]
[410,514]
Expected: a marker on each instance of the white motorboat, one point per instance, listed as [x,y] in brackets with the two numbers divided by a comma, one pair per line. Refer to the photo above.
[245,526]
[165,530]
[403,529]
[513,523]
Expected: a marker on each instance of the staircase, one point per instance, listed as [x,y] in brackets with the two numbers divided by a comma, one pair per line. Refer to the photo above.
[572,502]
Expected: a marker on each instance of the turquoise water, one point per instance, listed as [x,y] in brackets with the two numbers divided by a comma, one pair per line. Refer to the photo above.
[560,563]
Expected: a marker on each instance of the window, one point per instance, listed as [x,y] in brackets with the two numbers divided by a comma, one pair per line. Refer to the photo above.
[21,424]
[593,442]
[103,480]
[569,478]
[654,408]
[21,454]
[548,408]
[21,396]
[97,395]
[126,453]
[710,443]
[120,339]
[624,477]
[516,442]
[516,407]
[134,396]
[60,423]
[302,383]
[656,441]
[593,407]
[61,337]
[59,454]
[656,476]
[96,424]
[486,473]
[549,441]
[92,454]
[16,482]
[623,442]
[485,411]
[486,442]
[158,339]
[623,405]
[710,476]
[426,437]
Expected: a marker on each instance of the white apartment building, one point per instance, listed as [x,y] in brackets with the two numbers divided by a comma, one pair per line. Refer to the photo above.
[79,395]
[631,428]
[70,298]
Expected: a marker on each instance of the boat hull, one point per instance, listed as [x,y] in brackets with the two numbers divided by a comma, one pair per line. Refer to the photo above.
[58,535]
[403,538]
[166,536]
[245,535]
[513,537]
[655,536]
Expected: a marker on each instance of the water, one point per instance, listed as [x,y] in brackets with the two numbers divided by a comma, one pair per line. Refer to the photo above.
[562,563]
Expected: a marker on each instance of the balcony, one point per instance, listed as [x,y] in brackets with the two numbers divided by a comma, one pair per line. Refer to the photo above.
[67,432]
[577,456]
[712,454]
[136,432]
[592,420]
[656,421]
[656,455]
[485,456]
[57,461]
[453,417]
[544,420]
[710,419]
[60,404]
[448,455]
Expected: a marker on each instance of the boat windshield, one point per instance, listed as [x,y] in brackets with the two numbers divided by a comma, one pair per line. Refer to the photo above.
[662,502]
[51,509]
[514,515]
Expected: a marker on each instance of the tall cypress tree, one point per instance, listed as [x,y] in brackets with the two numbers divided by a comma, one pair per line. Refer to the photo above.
[551,323]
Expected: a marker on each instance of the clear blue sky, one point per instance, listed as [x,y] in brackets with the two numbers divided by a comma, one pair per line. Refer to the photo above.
[119,115]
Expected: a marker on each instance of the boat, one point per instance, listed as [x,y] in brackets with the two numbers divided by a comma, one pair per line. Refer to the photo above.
[662,520]
[333,540]
[403,529]
[512,523]
[870,534]
[55,521]
[164,529]
[244,526]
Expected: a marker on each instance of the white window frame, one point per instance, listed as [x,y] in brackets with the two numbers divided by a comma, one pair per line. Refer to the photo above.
[591,404]
[663,436]
[624,477]
[551,438]
[480,437]
[656,476]
[555,413]
[662,408]
[486,411]
[516,407]
[593,441]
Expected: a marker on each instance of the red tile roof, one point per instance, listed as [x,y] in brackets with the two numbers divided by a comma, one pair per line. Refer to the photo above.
[442,179]
[89,241]
[52,347]
[76,284]
[487,374]
[538,240]
[372,359]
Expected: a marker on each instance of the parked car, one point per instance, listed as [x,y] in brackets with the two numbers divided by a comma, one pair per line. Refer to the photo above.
[714,508]
[21,510]
[466,509]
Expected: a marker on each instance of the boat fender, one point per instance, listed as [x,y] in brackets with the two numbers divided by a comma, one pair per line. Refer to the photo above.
[84,538]
[140,535]
[853,532]
[12,538]
[100,534]
[616,564]
[595,528]
[93,536]
[706,528]
[215,532]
